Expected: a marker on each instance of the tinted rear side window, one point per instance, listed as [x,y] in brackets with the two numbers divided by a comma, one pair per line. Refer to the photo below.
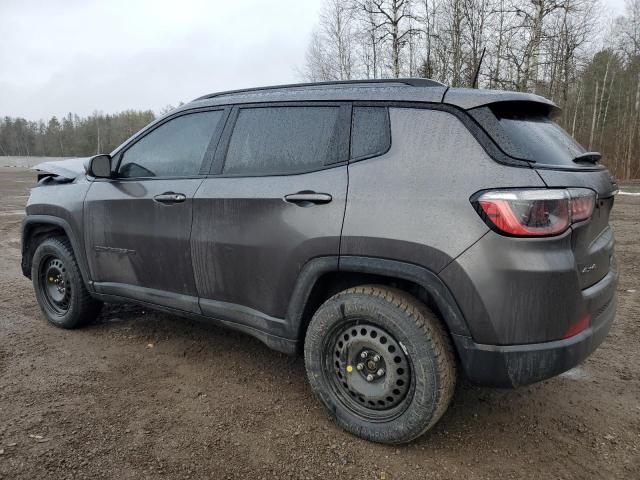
[174,149]
[272,140]
[531,135]
[370,133]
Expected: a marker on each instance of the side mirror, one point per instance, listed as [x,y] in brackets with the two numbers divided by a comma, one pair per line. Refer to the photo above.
[100,166]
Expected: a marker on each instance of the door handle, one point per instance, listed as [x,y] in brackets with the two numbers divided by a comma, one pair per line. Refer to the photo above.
[170,198]
[305,199]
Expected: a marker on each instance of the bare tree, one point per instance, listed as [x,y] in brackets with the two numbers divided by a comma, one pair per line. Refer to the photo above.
[369,40]
[533,15]
[558,48]
[572,31]
[317,60]
[452,34]
[628,29]
[393,21]
[430,10]
[330,52]
[476,14]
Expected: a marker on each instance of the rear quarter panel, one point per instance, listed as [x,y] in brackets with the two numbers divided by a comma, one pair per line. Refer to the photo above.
[412,203]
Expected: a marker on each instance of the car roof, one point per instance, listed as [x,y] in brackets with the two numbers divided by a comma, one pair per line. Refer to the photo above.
[401,90]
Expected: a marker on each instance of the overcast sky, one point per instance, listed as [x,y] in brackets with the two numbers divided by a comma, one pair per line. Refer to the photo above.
[59,56]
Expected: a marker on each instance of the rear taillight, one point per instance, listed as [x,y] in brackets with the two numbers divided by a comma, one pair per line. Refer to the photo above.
[582,204]
[534,213]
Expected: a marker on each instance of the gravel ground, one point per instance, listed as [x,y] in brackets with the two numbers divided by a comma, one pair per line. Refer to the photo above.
[147,395]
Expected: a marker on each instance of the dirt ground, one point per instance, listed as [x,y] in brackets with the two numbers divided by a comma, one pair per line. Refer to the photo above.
[147,395]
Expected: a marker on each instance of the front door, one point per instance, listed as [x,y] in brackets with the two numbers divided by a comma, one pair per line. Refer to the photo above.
[276,201]
[138,224]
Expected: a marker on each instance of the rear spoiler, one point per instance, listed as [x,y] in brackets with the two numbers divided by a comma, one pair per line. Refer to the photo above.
[468,98]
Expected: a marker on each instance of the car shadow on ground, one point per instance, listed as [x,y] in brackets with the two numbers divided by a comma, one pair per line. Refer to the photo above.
[474,411]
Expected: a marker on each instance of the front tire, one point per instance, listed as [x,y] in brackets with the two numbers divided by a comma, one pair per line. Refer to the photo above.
[59,287]
[381,363]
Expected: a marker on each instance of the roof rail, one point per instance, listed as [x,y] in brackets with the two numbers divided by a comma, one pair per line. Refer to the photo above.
[412,82]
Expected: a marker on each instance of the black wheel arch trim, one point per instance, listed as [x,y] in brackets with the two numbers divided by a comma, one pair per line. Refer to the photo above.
[315,268]
[307,279]
[32,221]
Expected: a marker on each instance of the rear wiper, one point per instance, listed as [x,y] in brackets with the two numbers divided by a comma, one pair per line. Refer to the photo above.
[589,157]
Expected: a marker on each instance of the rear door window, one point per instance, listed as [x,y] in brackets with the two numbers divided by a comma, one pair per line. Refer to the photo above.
[283,140]
[370,133]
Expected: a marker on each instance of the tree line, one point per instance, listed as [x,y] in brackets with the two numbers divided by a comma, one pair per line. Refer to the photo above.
[565,50]
[70,136]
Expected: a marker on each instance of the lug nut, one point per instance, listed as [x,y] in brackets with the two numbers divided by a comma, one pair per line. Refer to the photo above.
[369,378]
[360,366]
[376,358]
[380,372]
[363,355]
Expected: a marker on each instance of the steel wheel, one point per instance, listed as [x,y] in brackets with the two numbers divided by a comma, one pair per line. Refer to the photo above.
[368,370]
[56,286]
[380,362]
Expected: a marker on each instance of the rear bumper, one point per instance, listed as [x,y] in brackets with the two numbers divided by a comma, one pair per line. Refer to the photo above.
[516,365]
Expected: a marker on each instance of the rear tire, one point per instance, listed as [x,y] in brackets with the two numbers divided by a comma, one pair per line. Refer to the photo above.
[59,287]
[381,363]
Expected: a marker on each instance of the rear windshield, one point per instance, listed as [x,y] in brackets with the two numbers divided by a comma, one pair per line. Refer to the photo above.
[531,135]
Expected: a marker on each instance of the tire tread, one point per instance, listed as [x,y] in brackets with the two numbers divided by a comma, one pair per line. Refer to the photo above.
[434,333]
[87,307]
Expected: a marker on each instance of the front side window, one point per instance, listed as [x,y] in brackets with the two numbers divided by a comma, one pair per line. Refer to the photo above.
[281,140]
[174,149]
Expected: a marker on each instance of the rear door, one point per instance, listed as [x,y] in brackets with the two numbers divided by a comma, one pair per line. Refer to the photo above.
[275,200]
[138,224]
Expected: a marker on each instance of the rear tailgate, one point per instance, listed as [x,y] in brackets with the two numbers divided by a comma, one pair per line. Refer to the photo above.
[526,130]
[592,241]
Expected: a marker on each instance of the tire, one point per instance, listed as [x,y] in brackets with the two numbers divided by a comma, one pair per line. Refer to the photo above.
[413,366]
[59,287]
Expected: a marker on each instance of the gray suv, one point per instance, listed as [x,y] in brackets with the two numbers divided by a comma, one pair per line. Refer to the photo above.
[400,233]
